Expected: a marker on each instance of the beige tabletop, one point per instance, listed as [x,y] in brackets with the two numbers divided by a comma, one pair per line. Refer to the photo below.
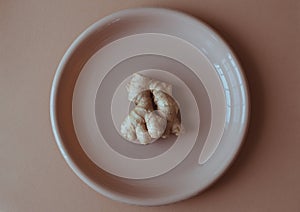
[265,35]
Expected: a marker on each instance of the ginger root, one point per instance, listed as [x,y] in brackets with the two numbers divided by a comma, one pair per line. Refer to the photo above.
[134,125]
[155,114]
[167,108]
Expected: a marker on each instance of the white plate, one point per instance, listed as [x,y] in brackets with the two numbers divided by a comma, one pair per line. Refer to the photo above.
[88,103]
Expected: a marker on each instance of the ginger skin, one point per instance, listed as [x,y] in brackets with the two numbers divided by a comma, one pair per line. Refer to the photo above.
[167,108]
[134,125]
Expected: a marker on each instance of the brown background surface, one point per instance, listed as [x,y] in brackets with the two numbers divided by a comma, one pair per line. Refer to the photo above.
[265,35]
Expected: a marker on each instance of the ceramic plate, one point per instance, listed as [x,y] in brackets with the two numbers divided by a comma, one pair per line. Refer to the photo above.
[89,102]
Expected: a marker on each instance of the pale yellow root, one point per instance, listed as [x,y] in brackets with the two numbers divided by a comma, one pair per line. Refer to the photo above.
[156,124]
[143,123]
